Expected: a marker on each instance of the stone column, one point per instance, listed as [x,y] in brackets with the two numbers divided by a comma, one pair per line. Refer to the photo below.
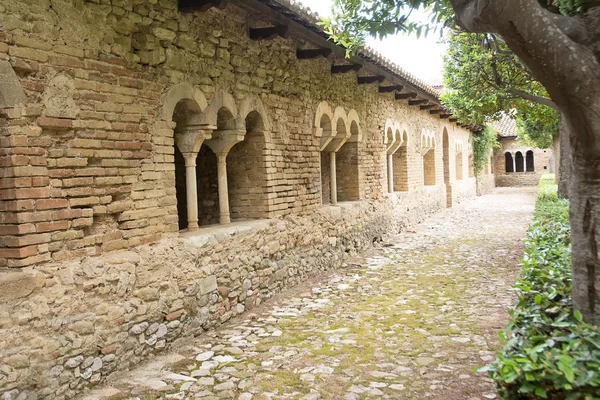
[224,217]
[514,162]
[333,177]
[191,191]
[525,162]
[390,173]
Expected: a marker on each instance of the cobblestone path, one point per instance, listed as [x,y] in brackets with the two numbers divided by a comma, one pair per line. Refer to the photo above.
[409,320]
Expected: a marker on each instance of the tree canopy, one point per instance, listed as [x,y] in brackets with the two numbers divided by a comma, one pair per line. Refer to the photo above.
[485,80]
[558,42]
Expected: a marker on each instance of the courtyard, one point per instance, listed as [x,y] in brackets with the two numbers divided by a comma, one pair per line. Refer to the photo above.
[412,318]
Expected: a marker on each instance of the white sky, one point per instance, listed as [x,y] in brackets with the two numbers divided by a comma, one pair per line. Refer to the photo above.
[421,57]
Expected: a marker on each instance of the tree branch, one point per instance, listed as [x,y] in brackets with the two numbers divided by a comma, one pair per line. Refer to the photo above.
[531,97]
[573,27]
[496,45]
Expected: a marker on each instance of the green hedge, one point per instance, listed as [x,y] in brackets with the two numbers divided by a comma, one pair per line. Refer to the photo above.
[548,351]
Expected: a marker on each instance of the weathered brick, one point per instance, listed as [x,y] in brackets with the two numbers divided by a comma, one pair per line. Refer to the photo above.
[51,226]
[47,204]
[71,162]
[32,43]
[27,240]
[55,123]
[18,252]
[28,53]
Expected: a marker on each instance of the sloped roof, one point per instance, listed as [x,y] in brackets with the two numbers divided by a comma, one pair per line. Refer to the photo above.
[306,17]
[505,127]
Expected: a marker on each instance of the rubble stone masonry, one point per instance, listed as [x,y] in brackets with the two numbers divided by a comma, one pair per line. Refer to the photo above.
[126,123]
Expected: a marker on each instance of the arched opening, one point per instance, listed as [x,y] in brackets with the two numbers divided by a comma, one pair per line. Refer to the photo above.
[471,166]
[530,161]
[325,125]
[446,157]
[186,156]
[247,173]
[459,166]
[429,168]
[180,190]
[519,162]
[346,164]
[508,161]
[389,141]
[207,183]
[400,164]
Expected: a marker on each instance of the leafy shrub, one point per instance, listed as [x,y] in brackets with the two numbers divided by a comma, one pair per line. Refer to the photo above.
[549,352]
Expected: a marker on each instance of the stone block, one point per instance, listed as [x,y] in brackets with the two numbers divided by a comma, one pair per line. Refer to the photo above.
[19,284]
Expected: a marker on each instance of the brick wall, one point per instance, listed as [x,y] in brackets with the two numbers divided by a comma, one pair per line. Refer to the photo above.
[93,182]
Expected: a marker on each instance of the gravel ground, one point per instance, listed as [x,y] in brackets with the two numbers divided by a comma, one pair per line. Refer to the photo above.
[411,319]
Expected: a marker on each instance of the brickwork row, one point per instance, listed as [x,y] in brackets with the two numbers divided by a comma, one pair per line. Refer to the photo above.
[123,101]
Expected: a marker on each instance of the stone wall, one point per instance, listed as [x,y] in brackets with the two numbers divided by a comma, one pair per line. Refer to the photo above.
[506,175]
[109,107]
[518,179]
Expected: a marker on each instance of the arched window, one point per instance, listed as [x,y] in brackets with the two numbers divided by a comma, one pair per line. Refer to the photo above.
[401,166]
[247,173]
[529,161]
[346,164]
[325,125]
[508,160]
[519,162]
[195,172]
[459,166]
[429,168]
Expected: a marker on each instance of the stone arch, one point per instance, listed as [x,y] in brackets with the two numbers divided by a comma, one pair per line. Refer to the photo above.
[519,162]
[253,103]
[446,164]
[529,161]
[400,160]
[222,100]
[458,151]
[178,93]
[347,157]
[508,161]
[354,119]
[388,133]
[324,124]
[182,109]
[428,152]
[342,130]
[247,176]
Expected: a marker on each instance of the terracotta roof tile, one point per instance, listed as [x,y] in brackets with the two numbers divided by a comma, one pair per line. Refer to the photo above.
[505,127]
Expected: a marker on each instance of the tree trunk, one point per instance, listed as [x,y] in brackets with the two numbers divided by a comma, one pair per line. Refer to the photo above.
[562,53]
[584,200]
[562,157]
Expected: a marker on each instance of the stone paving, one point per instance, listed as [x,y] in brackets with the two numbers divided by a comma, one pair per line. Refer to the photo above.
[411,319]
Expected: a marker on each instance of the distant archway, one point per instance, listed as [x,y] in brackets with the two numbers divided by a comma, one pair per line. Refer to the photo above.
[530,161]
[508,161]
[519,162]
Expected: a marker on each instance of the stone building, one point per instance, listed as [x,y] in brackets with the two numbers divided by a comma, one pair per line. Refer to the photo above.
[516,164]
[167,166]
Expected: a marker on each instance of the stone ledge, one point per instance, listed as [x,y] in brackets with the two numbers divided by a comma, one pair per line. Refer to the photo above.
[214,234]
